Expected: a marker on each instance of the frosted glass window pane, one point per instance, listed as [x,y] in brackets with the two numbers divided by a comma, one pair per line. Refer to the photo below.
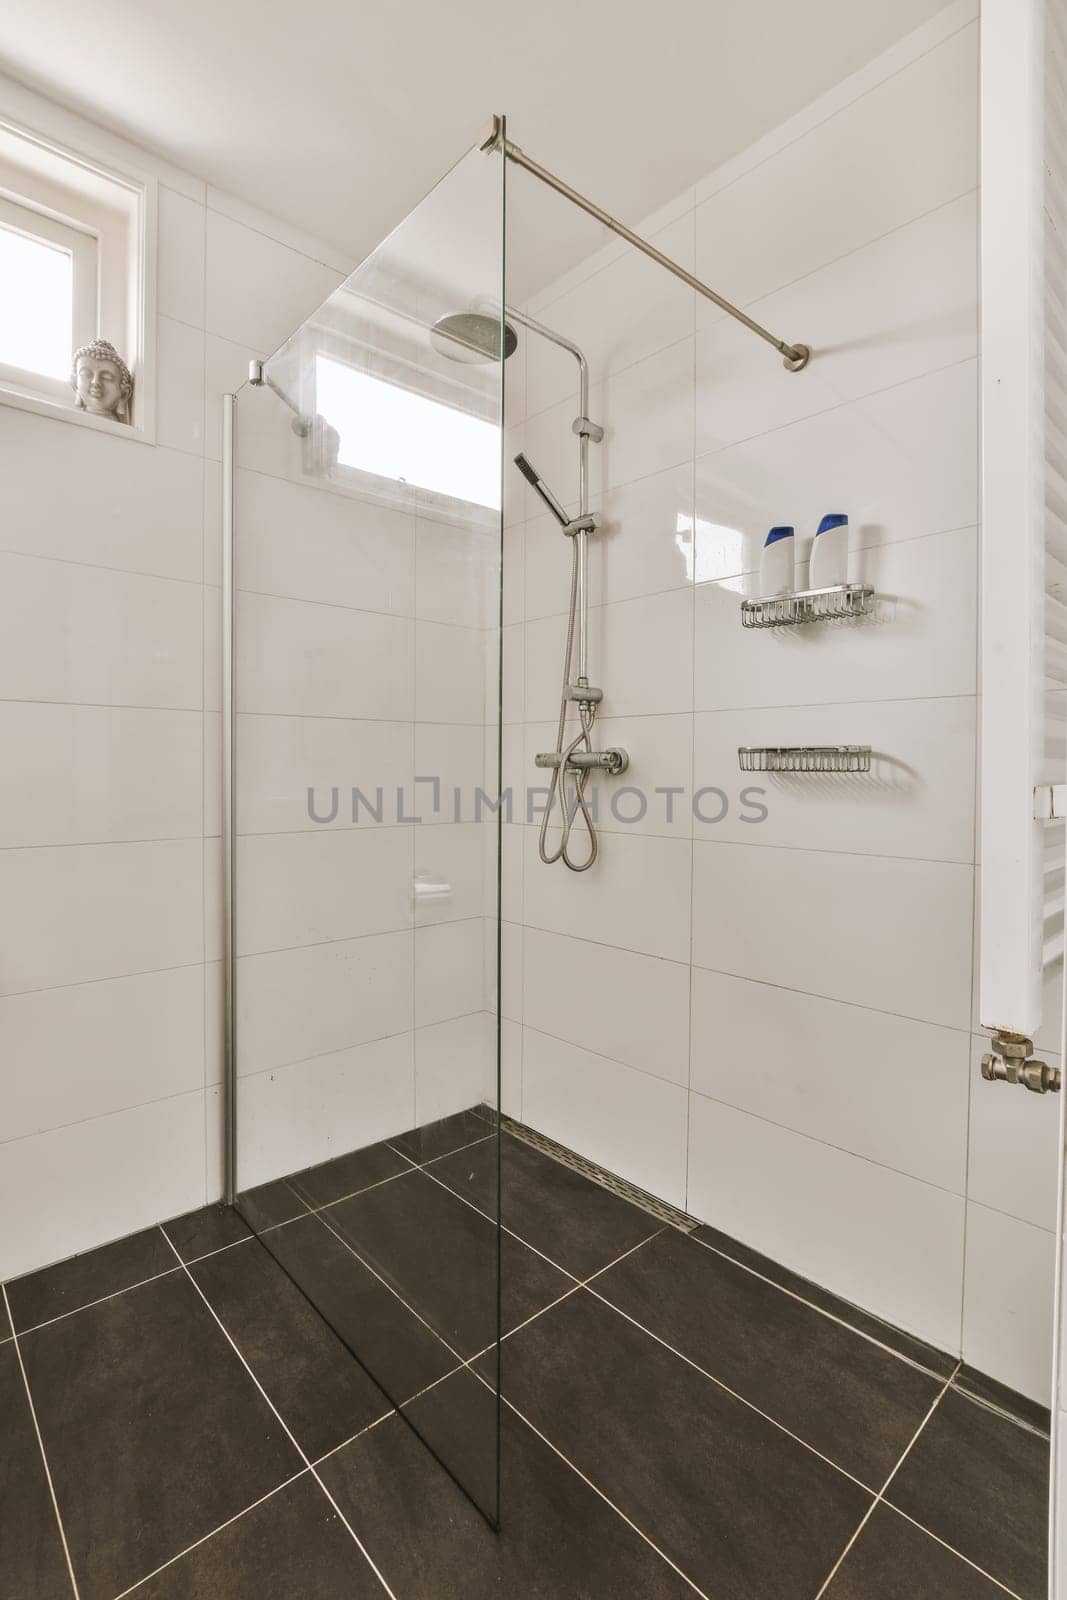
[36,305]
[408,437]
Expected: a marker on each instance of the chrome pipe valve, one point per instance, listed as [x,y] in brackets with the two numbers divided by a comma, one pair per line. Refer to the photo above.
[1011,1061]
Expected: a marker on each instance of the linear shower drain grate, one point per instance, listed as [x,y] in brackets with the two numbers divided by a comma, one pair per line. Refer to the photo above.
[660,1209]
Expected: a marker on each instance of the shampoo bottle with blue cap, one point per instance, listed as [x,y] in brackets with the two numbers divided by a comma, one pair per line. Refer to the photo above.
[829,553]
[776,563]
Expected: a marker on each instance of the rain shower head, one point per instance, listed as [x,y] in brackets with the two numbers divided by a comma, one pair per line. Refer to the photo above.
[472,338]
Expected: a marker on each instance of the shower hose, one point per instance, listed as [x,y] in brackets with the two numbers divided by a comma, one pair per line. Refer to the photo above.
[568,783]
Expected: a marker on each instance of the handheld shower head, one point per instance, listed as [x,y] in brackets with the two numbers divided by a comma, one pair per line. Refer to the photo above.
[472,338]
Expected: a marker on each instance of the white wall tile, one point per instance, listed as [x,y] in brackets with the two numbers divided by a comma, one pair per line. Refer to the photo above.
[82,912]
[180,399]
[453,878]
[258,290]
[320,660]
[79,1186]
[629,1122]
[636,898]
[894,153]
[298,1115]
[900,464]
[1007,1312]
[180,256]
[294,1004]
[628,310]
[90,636]
[1014,1146]
[647,414]
[99,500]
[862,1074]
[280,758]
[917,800]
[308,544]
[904,305]
[919,640]
[873,1236]
[640,654]
[890,934]
[97,774]
[89,1049]
[449,971]
[454,755]
[457,567]
[633,1008]
[455,1066]
[320,885]
[449,673]
[643,545]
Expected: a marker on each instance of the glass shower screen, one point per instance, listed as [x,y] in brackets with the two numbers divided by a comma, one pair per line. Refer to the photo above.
[366,686]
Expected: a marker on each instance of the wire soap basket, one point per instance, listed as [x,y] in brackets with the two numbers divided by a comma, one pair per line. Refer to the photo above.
[808,605]
[805,758]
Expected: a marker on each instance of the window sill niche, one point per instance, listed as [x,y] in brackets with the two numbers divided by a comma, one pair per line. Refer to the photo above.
[62,411]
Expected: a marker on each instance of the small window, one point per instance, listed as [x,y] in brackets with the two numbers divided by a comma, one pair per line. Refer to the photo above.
[74,258]
[393,432]
[48,306]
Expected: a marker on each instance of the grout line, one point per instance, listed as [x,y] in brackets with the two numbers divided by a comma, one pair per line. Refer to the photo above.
[946,1546]
[221,1527]
[878,1499]
[719,1384]
[281,1420]
[40,1443]
[828,1144]
[602,1496]
[49,1322]
[387,1285]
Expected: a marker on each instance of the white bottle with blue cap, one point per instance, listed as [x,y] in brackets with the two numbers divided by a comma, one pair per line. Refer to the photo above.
[829,553]
[776,574]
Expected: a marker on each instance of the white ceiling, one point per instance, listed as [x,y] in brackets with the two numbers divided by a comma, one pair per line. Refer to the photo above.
[338,115]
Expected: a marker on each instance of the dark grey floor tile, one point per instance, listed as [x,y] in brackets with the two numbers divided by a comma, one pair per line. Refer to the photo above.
[80,1280]
[398,1350]
[323,1394]
[894,1560]
[441,1256]
[741,1507]
[32,1566]
[850,1399]
[214,1227]
[905,1344]
[577,1223]
[154,1431]
[439,1138]
[970,1381]
[558,1541]
[358,1169]
[980,1483]
[292,1547]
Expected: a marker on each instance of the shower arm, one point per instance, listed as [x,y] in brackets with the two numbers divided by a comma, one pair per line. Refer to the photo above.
[795,356]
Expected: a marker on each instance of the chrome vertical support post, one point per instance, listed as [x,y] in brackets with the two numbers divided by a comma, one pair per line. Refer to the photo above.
[229,820]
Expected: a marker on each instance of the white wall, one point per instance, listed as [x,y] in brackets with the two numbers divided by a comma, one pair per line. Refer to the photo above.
[109,717]
[774,1025]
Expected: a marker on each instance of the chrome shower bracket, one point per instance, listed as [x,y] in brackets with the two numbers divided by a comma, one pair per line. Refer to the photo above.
[586,524]
[588,430]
